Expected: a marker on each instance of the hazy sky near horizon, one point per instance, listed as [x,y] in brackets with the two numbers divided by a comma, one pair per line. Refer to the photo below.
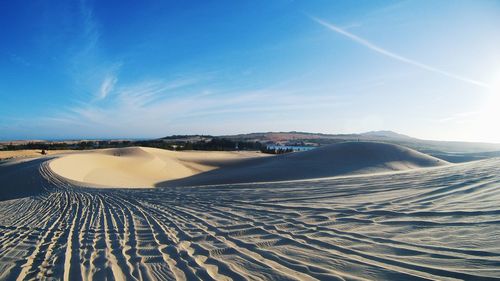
[106,69]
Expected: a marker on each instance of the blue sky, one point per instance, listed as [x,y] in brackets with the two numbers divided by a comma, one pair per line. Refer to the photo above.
[134,69]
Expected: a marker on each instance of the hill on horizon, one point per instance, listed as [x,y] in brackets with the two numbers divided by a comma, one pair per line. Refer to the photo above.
[453,151]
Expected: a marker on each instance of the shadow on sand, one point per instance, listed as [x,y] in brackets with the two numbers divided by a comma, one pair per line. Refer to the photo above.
[20,179]
[334,160]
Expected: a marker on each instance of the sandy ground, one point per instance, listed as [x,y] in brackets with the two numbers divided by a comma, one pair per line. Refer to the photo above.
[29,153]
[142,166]
[149,167]
[439,224]
[343,159]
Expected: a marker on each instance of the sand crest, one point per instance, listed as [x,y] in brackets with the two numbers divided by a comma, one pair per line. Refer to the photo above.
[348,158]
[149,167]
[140,166]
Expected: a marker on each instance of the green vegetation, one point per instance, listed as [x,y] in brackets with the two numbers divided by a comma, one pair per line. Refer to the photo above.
[211,144]
[77,145]
[275,150]
[170,143]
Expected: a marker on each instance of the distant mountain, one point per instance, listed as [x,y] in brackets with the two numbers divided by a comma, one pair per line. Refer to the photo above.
[288,136]
[386,134]
[318,138]
[454,151]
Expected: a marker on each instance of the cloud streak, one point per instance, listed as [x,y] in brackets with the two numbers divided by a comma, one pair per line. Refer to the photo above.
[395,56]
[150,108]
[107,86]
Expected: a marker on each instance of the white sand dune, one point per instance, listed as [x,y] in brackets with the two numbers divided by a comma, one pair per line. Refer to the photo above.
[148,167]
[140,166]
[427,224]
[348,158]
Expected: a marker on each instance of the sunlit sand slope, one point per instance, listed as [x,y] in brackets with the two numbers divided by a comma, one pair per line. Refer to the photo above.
[140,166]
[439,224]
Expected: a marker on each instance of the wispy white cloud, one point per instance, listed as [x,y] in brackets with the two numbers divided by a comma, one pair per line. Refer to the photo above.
[93,72]
[107,86]
[154,107]
[459,117]
[89,30]
[395,56]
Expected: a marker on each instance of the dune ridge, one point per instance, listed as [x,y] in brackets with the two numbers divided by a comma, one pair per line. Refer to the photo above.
[347,158]
[139,166]
[148,167]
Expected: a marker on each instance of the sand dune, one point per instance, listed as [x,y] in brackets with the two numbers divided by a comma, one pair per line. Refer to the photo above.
[140,166]
[428,224]
[348,158]
[148,167]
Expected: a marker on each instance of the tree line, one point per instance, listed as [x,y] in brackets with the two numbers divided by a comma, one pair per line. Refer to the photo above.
[214,144]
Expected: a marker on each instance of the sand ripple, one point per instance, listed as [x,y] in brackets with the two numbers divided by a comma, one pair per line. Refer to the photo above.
[439,224]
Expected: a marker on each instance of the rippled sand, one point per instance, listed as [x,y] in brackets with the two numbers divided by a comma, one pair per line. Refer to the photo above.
[441,223]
